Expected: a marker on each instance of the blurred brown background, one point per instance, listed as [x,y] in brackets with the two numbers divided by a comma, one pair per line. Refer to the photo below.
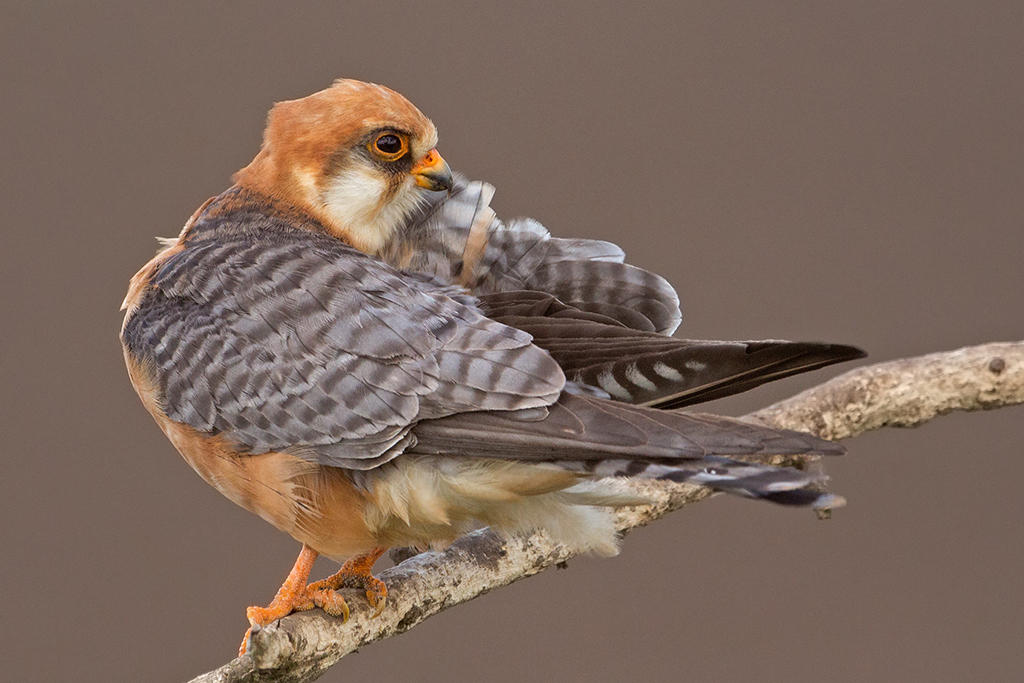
[840,171]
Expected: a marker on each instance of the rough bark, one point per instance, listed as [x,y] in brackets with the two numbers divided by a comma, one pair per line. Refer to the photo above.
[901,393]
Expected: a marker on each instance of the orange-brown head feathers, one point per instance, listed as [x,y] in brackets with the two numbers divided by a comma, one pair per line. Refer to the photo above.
[354,155]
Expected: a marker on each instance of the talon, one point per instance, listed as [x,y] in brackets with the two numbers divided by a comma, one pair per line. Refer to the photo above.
[307,604]
[378,601]
[356,573]
[376,594]
[295,596]
[332,602]
[245,642]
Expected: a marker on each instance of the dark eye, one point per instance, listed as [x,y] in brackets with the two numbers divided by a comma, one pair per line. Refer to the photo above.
[389,146]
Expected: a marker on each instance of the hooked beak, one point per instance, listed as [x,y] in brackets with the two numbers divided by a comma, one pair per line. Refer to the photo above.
[432,172]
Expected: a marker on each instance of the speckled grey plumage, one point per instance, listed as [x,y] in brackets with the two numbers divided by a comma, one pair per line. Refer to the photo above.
[283,338]
[647,368]
[522,255]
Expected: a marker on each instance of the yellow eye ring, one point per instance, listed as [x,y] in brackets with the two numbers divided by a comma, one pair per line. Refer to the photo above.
[389,145]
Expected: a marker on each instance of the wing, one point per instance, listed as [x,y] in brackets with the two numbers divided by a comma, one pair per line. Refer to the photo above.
[647,368]
[608,438]
[584,428]
[604,321]
[297,342]
[459,239]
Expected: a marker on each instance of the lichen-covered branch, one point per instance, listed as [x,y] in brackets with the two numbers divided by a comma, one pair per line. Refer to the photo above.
[906,392]
[898,393]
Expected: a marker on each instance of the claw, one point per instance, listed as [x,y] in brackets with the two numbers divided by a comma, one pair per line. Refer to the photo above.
[377,602]
[295,596]
[245,641]
[376,594]
[355,574]
[332,602]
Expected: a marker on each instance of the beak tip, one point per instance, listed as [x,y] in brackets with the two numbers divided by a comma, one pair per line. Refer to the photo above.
[446,182]
[432,172]
[434,182]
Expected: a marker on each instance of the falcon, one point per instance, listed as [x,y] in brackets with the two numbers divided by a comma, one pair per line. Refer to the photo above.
[350,343]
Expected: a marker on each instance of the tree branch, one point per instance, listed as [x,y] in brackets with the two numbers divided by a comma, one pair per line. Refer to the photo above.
[905,393]
[901,393]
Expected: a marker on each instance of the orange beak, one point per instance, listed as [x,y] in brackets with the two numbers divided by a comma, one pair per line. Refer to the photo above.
[432,172]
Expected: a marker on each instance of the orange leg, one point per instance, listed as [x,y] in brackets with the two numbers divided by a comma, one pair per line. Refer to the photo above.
[290,596]
[295,595]
[353,574]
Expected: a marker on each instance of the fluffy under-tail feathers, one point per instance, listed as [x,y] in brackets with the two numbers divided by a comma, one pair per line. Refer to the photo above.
[427,501]
[430,500]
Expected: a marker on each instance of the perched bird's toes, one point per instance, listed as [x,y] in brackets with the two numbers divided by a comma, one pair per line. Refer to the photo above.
[261,616]
[245,642]
[376,594]
[250,633]
[330,601]
[378,604]
[293,595]
[258,618]
[354,574]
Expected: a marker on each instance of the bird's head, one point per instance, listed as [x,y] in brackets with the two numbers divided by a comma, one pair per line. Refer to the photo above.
[357,156]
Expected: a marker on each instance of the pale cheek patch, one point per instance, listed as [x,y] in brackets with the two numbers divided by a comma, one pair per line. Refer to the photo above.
[352,200]
[356,203]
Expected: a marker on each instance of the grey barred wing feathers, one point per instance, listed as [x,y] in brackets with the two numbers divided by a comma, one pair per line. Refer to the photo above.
[459,238]
[298,342]
[586,428]
[651,369]
[282,338]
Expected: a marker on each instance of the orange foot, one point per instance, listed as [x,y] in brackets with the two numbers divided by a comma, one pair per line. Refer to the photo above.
[294,595]
[353,574]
